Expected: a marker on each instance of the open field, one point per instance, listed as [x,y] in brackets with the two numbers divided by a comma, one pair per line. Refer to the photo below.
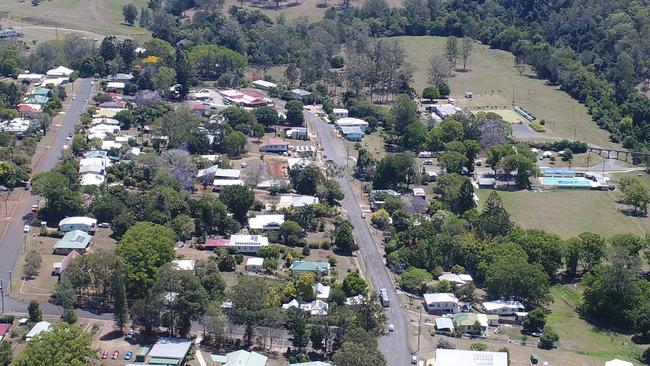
[491,77]
[569,212]
[102,17]
[508,114]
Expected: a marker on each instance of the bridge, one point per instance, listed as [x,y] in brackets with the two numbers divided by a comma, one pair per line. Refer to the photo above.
[635,156]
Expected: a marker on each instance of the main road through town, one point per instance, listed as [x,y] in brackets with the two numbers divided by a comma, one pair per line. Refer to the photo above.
[12,240]
[393,345]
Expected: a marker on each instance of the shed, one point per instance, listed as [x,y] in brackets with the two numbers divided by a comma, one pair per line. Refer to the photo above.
[444,324]
[300,94]
[37,329]
[352,133]
[141,354]
[455,357]
[83,223]
[264,85]
[617,362]
[266,222]
[169,351]
[240,358]
[254,264]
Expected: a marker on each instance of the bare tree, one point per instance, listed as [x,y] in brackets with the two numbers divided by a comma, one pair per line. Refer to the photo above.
[451,51]
[466,51]
[438,70]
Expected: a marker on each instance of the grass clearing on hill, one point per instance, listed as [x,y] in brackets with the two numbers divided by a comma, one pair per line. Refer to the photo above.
[491,77]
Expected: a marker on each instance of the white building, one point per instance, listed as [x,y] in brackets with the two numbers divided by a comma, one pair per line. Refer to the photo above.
[445,111]
[115,85]
[456,357]
[322,292]
[91,179]
[287,201]
[37,329]
[255,264]
[232,174]
[87,224]
[352,122]
[104,128]
[107,145]
[60,71]
[264,85]
[31,78]
[441,303]
[315,308]
[297,133]
[340,112]
[104,121]
[248,243]
[265,222]
[457,279]
[16,125]
[500,307]
[184,264]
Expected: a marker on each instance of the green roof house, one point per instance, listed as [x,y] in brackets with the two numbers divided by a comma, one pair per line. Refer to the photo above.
[471,323]
[74,240]
[41,91]
[318,268]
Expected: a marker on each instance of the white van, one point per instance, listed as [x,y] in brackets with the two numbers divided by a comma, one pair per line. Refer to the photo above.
[425,154]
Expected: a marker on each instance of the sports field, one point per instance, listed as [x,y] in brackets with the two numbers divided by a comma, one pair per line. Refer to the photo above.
[508,114]
[492,79]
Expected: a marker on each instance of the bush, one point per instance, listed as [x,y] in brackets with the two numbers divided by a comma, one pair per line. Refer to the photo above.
[332,261]
[549,339]
[306,251]
[537,127]
[646,356]
[314,245]
[6,319]
[478,347]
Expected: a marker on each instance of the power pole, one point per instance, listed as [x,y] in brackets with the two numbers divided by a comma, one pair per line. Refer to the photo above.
[2,294]
[419,329]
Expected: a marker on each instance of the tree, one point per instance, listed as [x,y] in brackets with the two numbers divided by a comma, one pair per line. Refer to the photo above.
[189,302]
[145,313]
[120,310]
[64,344]
[403,112]
[414,136]
[234,143]
[32,264]
[144,248]
[177,125]
[330,192]
[513,277]
[344,239]
[290,232]
[183,72]
[534,321]
[453,161]
[381,219]
[163,79]
[466,200]
[130,13]
[295,116]
[548,339]
[5,353]
[238,199]
[392,171]
[215,322]
[356,354]
[64,293]
[145,17]
[267,116]
[438,70]
[494,220]
[34,310]
[306,179]
[466,51]
[305,286]
[414,280]
[353,284]
[592,249]
[431,92]
[251,311]
[451,51]
[635,194]
[69,316]
[630,242]
[297,326]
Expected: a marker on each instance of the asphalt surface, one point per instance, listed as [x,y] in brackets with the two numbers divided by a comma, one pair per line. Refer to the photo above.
[394,346]
[12,240]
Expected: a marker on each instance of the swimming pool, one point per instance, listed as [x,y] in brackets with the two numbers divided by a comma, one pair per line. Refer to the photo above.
[566,182]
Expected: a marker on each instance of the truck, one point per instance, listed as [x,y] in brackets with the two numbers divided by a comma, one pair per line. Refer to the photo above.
[383,297]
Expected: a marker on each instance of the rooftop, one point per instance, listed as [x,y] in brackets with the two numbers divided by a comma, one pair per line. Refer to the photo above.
[309,266]
[440,297]
[75,239]
[455,357]
[500,304]
[175,348]
[297,201]
[240,358]
[78,220]
[38,328]
[255,261]
[262,221]
[184,264]
[350,121]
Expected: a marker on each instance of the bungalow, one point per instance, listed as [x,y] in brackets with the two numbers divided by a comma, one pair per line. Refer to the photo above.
[468,322]
[456,357]
[318,268]
[315,308]
[297,133]
[31,78]
[352,133]
[287,201]
[297,162]
[227,174]
[92,179]
[120,77]
[457,279]
[104,121]
[250,99]
[248,243]
[352,122]
[266,222]
[322,292]
[115,85]
[36,99]
[300,94]
[74,240]
[214,243]
[81,223]
[275,146]
[500,307]
[240,358]
[29,110]
[133,153]
[107,145]
[60,71]
[441,303]
[312,363]
[444,111]
[207,174]
[169,351]
[340,113]
[264,85]
[105,129]
[59,267]
[16,125]
[255,264]
[37,329]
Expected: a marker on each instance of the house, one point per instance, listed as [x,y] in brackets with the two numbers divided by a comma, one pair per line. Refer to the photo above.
[74,240]
[297,162]
[441,303]
[81,223]
[445,111]
[300,94]
[95,154]
[312,363]
[60,71]
[92,179]
[105,113]
[266,222]
[352,122]
[466,323]
[318,268]
[254,264]
[214,243]
[315,308]
[115,85]
[240,358]
[275,146]
[203,94]
[227,174]
[169,351]
[121,77]
[207,174]
[37,329]
[105,129]
[322,292]
[4,329]
[445,325]
[108,145]
[457,279]
[31,78]
[59,267]
[419,192]
[184,264]
[456,357]
[264,85]
[500,307]
[36,99]
[617,362]
[248,99]
[200,109]
[16,125]
[220,183]
[248,243]
[340,112]
[287,201]
[352,133]
[133,153]
[29,110]
[297,133]
[293,304]
[354,301]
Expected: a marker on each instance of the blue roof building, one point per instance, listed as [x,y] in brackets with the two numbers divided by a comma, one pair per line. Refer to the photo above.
[352,133]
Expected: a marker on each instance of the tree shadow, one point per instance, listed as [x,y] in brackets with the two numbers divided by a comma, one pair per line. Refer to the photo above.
[112,335]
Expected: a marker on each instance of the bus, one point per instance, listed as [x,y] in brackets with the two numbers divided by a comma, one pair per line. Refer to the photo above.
[383,297]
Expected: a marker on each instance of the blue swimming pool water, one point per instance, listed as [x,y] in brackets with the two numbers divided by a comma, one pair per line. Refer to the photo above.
[566,181]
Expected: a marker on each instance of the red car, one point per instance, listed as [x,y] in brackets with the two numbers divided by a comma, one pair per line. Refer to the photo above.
[104,355]
[116,354]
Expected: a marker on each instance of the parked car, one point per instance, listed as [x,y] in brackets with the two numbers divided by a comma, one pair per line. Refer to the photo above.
[116,354]
[104,355]
[129,334]
[127,356]
[26,228]
[391,327]
[414,359]
[104,225]
[34,208]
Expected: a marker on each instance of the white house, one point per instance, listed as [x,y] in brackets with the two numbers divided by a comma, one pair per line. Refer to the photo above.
[37,329]
[60,71]
[297,133]
[340,112]
[264,85]
[352,122]
[91,179]
[232,174]
[115,85]
[265,222]
[617,362]
[248,243]
[255,264]
[456,357]
[31,78]
[457,279]
[184,264]
[104,128]
[501,307]
[316,307]
[441,303]
[300,94]
[108,144]
[287,201]
[82,223]
[322,292]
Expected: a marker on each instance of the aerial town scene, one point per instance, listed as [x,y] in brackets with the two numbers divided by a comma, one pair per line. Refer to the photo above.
[314,183]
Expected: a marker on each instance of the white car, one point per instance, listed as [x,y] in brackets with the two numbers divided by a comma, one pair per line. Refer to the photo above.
[391,327]
[74,97]
[104,225]
[414,359]
[26,229]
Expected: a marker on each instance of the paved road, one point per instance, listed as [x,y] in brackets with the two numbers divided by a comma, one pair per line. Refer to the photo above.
[394,346]
[13,239]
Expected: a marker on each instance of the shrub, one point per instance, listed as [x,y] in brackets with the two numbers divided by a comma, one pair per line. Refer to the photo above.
[6,319]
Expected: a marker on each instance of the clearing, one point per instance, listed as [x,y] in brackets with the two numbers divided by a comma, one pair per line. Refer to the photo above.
[493,79]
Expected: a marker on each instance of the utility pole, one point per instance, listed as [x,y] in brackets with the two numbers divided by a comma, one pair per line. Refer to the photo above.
[419,328]
[2,294]
[11,289]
